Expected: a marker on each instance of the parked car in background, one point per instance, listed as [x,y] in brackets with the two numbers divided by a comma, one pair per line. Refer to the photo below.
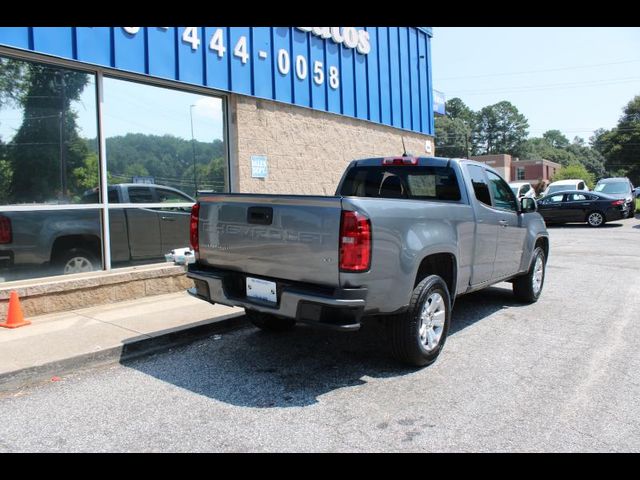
[565,185]
[68,241]
[636,191]
[618,187]
[522,190]
[579,206]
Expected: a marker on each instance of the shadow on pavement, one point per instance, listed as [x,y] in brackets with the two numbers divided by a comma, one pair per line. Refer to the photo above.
[582,225]
[252,368]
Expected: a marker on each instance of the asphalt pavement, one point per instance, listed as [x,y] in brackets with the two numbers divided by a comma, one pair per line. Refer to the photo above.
[559,375]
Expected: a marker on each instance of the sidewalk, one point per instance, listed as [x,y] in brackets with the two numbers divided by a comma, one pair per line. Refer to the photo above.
[59,343]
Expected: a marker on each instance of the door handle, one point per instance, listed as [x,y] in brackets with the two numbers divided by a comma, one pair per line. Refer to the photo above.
[168,219]
[504,223]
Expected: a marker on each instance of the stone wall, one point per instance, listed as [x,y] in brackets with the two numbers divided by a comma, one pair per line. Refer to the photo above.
[307,150]
[39,297]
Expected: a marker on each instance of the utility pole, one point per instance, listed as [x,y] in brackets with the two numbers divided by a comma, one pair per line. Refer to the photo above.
[63,154]
[193,149]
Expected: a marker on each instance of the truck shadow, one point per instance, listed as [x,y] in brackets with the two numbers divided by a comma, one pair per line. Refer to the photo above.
[251,368]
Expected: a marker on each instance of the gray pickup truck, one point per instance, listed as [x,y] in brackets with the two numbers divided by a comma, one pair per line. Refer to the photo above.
[401,239]
[68,241]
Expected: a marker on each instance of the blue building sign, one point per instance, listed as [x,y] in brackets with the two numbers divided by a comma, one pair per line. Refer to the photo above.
[380,74]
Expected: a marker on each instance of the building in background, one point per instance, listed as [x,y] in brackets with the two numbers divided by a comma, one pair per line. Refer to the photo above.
[155,116]
[501,163]
[537,172]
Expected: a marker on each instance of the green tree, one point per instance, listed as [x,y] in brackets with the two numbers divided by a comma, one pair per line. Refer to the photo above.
[556,139]
[456,108]
[87,175]
[454,131]
[621,145]
[452,137]
[575,170]
[500,128]
[6,177]
[46,148]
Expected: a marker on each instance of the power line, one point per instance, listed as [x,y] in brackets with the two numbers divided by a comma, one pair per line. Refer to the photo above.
[549,86]
[538,71]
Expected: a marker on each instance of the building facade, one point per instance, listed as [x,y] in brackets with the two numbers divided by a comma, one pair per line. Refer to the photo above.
[500,162]
[156,116]
[537,172]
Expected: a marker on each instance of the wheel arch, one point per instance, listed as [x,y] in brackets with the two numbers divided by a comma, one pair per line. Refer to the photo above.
[67,242]
[444,265]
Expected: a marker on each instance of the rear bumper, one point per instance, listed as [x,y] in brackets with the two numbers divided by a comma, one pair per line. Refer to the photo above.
[617,213]
[335,308]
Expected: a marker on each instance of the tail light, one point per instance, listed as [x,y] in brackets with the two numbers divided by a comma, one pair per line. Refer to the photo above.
[193,228]
[5,230]
[355,242]
[617,203]
[400,161]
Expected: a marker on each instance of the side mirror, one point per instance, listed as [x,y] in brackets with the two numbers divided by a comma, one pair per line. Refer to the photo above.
[528,205]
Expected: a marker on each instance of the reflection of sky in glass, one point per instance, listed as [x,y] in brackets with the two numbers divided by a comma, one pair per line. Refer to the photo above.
[136,108]
[11,115]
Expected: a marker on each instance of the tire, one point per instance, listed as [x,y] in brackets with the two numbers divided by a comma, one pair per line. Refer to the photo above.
[411,342]
[596,219]
[527,288]
[77,260]
[269,323]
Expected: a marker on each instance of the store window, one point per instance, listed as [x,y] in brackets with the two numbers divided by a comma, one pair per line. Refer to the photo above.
[520,173]
[163,148]
[48,159]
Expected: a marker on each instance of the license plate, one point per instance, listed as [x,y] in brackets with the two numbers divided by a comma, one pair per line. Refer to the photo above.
[261,290]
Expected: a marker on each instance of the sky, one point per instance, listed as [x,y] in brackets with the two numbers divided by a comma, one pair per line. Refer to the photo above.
[571,79]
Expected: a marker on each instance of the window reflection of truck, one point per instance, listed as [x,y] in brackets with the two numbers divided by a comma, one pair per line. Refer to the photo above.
[68,241]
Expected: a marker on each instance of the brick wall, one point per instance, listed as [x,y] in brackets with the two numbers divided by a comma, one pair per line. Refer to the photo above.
[307,150]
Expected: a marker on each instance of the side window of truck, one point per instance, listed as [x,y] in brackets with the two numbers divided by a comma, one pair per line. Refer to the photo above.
[140,195]
[480,184]
[502,195]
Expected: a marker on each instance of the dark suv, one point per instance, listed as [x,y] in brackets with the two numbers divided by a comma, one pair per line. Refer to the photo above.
[619,187]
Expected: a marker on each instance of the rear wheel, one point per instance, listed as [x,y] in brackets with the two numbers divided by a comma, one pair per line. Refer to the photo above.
[77,260]
[268,322]
[595,219]
[632,212]
[418,336]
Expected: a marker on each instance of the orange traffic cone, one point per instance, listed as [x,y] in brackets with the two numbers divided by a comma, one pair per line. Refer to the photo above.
[15,318]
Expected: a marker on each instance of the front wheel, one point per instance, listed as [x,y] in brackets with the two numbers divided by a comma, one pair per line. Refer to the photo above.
[269,323]
[595,219]
[418,336]
[528,287]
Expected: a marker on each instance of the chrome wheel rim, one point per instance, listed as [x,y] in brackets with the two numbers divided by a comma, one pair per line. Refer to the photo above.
[538,275]
[78,265]
[595,219]
[432,319]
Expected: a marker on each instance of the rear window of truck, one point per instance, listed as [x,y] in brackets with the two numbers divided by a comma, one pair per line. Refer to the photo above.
[420,183]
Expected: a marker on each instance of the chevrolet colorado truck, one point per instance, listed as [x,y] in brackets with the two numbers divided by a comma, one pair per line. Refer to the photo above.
[401,239]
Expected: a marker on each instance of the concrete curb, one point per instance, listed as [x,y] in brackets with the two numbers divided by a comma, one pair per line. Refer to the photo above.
[136,347]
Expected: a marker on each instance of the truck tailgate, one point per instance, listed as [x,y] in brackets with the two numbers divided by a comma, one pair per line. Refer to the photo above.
[281,236]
